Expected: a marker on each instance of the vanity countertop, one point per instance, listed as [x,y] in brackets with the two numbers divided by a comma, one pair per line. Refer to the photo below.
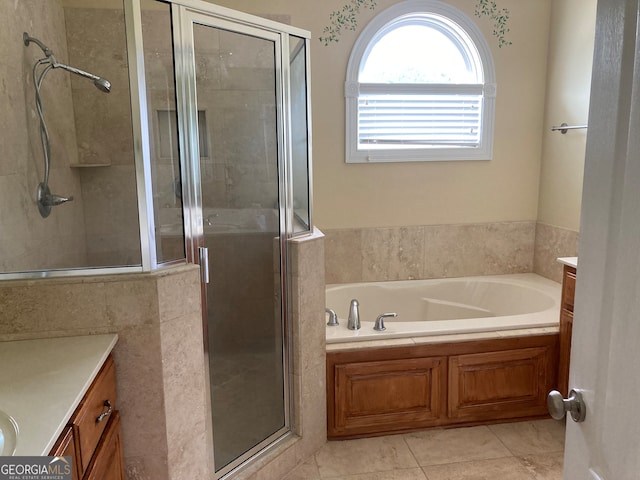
[569,261]
[42,382]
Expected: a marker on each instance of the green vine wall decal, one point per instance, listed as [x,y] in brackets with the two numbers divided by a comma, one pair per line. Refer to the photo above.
[344,19]
[347,19]
[489,8]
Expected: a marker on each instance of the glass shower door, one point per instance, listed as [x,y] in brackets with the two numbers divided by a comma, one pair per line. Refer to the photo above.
[237,85]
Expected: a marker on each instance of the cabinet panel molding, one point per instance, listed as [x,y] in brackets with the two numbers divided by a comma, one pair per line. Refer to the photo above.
[498,385]
[393,395]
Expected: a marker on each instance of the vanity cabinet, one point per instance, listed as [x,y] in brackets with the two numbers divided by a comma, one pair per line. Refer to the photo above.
[566,327]
[374,391]
[92,436]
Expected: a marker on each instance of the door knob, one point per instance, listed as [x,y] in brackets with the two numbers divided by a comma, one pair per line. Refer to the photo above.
[559,406]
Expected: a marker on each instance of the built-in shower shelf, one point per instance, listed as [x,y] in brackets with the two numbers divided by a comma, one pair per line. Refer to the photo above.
[87,165]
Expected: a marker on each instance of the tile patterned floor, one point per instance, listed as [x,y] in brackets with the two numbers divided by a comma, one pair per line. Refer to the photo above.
[530,450]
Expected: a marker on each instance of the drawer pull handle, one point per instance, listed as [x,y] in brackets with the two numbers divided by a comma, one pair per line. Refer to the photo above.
[106,413]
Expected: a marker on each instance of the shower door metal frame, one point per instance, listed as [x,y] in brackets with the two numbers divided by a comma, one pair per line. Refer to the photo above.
[184,14]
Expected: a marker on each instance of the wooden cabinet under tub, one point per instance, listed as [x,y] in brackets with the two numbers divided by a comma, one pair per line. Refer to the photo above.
[374,391]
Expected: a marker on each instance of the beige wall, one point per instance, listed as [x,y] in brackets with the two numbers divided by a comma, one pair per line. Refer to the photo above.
[504,189]
[568,86]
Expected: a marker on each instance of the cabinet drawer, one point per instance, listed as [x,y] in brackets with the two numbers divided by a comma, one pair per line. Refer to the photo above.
[93,413]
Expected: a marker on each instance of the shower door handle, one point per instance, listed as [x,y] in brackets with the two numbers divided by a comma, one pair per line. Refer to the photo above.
[203,254]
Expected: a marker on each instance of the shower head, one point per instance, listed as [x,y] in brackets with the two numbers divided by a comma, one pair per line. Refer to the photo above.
[101,84]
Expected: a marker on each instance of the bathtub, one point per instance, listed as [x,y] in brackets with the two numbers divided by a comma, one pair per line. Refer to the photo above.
[446,306]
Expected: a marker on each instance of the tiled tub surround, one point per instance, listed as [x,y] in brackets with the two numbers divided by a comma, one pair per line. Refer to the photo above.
[160,363]
[442,251]
[551,243]
[429,251]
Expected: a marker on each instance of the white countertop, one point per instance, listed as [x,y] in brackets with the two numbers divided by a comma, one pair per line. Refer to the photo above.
[42,382]
[569,261]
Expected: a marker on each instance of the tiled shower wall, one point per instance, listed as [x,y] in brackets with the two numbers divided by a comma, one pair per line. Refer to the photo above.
[97,43]
[86,127]
[28,241]
[441,251]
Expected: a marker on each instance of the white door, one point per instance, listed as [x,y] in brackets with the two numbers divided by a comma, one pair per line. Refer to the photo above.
[605,358]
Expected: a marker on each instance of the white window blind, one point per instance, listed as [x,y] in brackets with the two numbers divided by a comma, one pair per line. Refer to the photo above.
[419,121]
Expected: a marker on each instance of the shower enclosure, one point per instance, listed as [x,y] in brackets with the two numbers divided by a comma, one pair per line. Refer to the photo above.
[200,153]
[243,132]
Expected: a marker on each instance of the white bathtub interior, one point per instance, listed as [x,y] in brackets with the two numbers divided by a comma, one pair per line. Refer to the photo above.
[446,306]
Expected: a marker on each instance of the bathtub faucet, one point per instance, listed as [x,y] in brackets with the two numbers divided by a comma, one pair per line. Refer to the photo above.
[379,325]
[333,318]
[354,315]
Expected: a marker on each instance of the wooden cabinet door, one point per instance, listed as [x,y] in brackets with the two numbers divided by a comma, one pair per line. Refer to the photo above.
[503,384]
[108,463]
[566,328]
[391,395]
[90,419]
[566,331]
[65,447]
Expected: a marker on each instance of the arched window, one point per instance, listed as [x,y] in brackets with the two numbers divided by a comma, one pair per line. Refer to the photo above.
[420,86]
